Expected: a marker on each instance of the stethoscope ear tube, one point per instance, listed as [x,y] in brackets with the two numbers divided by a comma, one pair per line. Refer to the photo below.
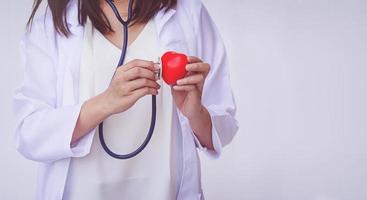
[154,103]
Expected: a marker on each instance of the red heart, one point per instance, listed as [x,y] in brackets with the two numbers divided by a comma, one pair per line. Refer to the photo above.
[173,67]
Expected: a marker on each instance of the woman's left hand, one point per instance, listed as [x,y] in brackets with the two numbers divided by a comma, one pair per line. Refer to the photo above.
[188,91]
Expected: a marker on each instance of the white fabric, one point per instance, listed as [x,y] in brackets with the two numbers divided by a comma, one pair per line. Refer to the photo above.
[97,175]
[46,105]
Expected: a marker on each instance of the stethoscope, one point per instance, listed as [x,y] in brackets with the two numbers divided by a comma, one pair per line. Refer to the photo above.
[125,25]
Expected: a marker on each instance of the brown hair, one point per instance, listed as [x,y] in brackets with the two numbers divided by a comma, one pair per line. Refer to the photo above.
[143,11]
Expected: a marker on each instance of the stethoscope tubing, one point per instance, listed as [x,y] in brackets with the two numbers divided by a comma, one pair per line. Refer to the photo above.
[134,153]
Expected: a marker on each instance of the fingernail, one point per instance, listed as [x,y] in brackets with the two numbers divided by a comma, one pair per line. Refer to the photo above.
[156,66]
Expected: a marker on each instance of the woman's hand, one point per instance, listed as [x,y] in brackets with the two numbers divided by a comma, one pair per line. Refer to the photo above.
[188,91]
[187,96]
[131,82]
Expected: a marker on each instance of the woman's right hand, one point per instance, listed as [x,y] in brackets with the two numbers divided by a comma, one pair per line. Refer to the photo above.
[130,82]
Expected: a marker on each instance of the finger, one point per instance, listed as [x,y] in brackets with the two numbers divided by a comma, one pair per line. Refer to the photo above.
[142,82]
[138,63]
[138,72]
[139,93]
[193,59]
[198,67]
[186,88]
[190,80]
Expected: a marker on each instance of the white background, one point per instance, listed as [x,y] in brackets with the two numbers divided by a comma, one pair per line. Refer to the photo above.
[299,72]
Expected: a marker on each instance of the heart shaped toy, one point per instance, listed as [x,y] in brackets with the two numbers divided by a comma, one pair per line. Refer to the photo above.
[173,67]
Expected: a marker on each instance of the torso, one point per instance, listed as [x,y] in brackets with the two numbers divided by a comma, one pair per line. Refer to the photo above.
[97,175]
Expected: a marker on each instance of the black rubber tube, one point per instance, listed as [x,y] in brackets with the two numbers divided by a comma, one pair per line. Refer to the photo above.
[154,102]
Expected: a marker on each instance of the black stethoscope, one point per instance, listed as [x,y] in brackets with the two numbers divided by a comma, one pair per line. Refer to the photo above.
[125,25]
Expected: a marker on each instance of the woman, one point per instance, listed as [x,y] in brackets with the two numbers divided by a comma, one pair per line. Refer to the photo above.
[70,55]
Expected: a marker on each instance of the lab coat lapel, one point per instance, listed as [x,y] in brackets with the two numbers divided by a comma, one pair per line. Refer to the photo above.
[69,58]
[161,19]
[72,17]
[170,32]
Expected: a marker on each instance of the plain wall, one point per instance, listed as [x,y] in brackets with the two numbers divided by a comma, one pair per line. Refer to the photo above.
[298,70]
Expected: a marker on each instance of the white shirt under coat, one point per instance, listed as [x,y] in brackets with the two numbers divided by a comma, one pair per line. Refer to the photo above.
[46,105]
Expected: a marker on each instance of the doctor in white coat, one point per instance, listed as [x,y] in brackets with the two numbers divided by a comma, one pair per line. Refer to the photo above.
[57,128]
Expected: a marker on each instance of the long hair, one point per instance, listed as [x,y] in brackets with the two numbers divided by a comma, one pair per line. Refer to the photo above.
[143,11]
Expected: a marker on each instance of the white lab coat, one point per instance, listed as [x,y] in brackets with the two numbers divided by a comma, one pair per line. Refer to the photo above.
[46,105]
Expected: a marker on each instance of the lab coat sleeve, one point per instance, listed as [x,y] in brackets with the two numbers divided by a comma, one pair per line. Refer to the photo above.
[217,94]
[43,131]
